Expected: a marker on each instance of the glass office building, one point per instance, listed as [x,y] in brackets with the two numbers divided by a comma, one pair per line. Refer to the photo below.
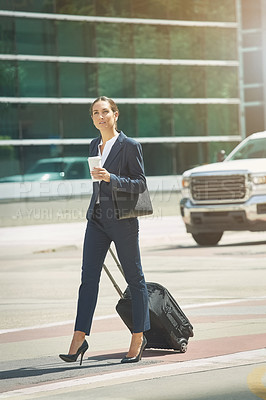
[175,68]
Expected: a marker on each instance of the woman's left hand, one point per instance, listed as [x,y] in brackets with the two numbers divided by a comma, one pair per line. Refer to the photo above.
[101,174]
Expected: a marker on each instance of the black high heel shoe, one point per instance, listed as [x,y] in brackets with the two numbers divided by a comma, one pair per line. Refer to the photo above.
[73,357]
[138,357]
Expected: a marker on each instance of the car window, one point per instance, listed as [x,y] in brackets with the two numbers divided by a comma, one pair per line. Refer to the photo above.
[76,171]
[55,166]
[255,148]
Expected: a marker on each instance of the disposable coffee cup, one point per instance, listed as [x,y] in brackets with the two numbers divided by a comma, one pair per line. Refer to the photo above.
[95,162]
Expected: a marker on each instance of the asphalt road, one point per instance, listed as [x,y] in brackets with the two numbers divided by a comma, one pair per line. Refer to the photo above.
[221,289]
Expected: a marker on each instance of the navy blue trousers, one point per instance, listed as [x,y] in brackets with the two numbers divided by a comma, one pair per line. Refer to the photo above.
[100,232]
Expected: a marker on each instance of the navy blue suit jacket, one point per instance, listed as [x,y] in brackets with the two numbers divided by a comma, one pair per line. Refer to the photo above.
[126,168]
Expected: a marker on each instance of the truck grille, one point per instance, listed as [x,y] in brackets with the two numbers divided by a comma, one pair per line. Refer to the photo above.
[218,187]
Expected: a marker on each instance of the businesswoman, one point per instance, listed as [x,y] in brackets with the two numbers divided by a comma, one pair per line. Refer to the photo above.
[122,170]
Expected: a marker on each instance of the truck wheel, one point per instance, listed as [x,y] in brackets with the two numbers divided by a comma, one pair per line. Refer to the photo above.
[207,238]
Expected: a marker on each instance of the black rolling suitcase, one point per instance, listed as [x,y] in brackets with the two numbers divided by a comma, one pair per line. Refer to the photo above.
[170,328]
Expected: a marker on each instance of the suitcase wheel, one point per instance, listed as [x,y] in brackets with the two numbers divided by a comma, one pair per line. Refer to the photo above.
[183,345]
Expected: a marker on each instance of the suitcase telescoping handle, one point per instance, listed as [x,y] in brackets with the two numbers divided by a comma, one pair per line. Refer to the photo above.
[116,261]
[110,276]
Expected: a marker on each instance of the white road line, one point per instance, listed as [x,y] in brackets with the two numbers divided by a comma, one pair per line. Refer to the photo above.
[186,367]
[99,318]
[221,303]
[2,331]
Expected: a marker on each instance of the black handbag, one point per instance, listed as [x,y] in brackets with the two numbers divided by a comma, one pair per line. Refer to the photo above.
[130,205]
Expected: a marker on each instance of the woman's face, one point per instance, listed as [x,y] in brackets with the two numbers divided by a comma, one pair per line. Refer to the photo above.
[104,118]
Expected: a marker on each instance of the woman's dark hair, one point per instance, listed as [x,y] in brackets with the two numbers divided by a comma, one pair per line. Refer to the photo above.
[113,105]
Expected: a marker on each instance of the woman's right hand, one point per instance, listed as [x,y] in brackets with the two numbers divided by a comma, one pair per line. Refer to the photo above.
[101,174]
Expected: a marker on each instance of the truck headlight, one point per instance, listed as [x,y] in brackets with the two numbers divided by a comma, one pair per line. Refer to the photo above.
[259,179]
[185,183]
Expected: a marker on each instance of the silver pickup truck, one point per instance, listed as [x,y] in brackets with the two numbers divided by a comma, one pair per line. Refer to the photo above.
[228,195]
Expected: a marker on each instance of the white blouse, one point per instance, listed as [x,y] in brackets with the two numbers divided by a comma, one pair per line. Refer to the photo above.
[107,148]
[106,151]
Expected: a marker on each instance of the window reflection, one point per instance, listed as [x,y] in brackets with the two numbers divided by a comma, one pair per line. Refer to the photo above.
[42,165]
[42,79]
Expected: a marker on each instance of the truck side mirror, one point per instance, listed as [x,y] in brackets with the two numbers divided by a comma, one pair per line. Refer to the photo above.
[221,156]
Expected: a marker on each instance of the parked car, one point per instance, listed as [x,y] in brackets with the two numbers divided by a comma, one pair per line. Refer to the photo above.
[50,169]
[228,195]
